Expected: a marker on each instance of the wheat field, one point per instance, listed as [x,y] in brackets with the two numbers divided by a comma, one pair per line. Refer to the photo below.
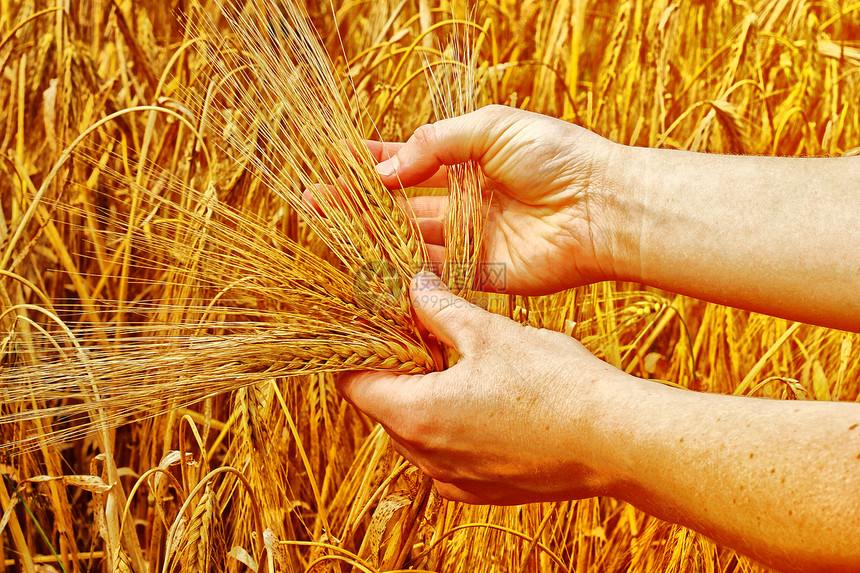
[173,313]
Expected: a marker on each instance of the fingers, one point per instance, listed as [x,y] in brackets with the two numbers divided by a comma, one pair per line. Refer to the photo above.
[453,320]
[446,142]
[453,493]
[428,149]
[310,199]
[436,253]
[387,397]
[445,489]
[432,231]
[322,198]
[427,213]
[381,395]
[429,216]
[382,152]
[449,490]
[479,136]
[429,206]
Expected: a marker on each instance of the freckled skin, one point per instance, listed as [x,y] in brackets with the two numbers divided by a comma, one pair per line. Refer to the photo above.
[529,415]
[561,424]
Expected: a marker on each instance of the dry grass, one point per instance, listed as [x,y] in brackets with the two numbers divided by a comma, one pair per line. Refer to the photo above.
[165,271]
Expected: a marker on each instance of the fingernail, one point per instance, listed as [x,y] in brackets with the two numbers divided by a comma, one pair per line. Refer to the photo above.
[388,167]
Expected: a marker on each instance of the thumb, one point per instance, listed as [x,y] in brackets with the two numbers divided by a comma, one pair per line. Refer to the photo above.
[453,320]
[446,142]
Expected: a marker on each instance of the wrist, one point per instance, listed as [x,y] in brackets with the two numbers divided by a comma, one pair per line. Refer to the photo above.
[605,409]
[619,207]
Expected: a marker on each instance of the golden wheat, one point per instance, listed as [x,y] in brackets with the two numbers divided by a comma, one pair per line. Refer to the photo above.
[176,233]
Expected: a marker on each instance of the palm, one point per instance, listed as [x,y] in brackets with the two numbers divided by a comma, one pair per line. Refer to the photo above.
[541,174]
[532,244]
[538,222]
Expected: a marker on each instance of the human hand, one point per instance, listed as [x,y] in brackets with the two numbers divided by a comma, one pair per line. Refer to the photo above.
[551,195]
[512,422]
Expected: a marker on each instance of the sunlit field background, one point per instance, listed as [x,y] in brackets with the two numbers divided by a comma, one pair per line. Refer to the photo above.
[125,452]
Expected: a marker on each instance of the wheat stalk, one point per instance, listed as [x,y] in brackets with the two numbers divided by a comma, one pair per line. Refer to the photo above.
[116,251]
[315,316]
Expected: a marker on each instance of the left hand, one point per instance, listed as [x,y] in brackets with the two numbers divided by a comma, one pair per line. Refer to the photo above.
[512,422]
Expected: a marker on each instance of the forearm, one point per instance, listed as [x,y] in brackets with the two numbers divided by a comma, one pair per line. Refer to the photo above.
[774,235]
[777,480]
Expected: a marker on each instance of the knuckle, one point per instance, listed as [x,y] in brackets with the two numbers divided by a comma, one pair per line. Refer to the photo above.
[425,135]
[494,113]
[495,109]
[471,327]
[452,316]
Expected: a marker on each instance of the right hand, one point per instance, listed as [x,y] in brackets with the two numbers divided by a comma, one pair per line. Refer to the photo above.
[549,198]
